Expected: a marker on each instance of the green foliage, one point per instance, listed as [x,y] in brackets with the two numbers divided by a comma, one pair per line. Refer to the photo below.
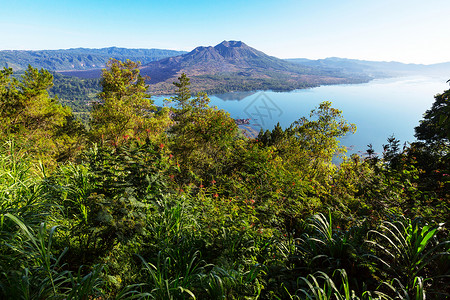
[76,93]
[321,287]
[318,137]
[275,137]
[326,247]
[201,135]
[21,192]
[107,200]
[432,158]
[183,92]
[406,249]
[33,119]
[124,109]
[43,275]
[435,126]
[180,206]
[133,167]
[164,283]
[416,292]
[432,179]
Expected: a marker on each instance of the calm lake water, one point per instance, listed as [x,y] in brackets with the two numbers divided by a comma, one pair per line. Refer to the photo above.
[380,108]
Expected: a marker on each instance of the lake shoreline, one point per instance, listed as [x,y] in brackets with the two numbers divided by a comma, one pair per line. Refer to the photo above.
[380,108]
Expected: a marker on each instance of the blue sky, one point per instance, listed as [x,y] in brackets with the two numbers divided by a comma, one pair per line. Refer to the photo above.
[408,31]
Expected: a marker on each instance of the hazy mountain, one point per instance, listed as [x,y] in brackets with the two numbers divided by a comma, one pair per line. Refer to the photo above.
[78,58]
[375,68]
[234,66]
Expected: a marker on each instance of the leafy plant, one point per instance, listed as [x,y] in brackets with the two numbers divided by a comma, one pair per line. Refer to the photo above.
[416,291]
[325,247]
[42,275]
[406,249]
[21,192]
[321,287]
[165,283]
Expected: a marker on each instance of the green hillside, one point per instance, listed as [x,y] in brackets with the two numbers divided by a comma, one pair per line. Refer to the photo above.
[177,203]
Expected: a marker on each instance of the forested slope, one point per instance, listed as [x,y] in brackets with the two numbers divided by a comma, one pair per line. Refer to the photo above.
[176,203]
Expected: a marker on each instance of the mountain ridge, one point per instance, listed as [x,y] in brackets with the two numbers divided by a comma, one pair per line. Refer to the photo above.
[376,68]
[229,66]
[232,66]
[78,58]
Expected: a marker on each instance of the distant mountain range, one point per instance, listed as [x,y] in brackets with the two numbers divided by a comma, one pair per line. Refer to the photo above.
[227,67]
[234,66]
[230,66]
[79,58]
[375,69]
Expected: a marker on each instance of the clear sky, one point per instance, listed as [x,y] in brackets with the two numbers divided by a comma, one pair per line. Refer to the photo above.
[411,31]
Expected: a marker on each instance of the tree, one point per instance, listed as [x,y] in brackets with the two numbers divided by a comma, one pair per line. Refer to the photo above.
[435,126]
[30,116]
[432,156]
[274,137]
[319,135]
[183,92]
[125,110]
[202,135]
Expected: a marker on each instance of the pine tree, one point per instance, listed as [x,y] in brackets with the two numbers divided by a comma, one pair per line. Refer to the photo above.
[124,109]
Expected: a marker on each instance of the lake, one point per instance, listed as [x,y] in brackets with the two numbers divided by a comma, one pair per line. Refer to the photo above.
[380,108]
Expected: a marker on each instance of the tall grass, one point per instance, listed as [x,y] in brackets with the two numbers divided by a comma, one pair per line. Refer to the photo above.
[324,247]
[406,248]
[319,286]
[42,275]
[20,188]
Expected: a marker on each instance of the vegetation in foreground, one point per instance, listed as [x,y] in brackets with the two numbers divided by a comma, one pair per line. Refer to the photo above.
[177,204]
